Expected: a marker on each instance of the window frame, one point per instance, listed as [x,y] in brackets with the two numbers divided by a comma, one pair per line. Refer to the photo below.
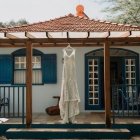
[25,68]
[22,53]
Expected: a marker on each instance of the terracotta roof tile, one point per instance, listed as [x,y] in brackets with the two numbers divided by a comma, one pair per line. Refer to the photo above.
[71,23]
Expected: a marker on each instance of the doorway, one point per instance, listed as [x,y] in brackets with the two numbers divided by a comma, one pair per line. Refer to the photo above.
[121,72]
[116,75]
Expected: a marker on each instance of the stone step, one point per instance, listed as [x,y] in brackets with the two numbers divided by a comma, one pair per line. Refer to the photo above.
[59,133]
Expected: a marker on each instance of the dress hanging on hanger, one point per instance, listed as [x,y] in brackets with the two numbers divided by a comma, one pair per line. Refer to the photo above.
[69,99]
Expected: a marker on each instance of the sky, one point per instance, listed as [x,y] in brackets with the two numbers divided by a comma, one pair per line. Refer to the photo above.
[42,10]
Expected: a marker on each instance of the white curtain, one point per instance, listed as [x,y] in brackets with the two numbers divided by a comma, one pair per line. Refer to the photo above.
[20,77]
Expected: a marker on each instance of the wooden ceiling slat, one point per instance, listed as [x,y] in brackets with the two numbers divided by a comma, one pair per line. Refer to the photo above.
[10,36]
[126,34]
[29,35]
[78,35]
[106,34]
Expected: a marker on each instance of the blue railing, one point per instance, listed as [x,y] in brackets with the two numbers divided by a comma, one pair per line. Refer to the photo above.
[125,100]
[12,102]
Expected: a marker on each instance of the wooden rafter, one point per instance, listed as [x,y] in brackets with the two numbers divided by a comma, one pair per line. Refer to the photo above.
[48,35]
[68,37]
[88,34]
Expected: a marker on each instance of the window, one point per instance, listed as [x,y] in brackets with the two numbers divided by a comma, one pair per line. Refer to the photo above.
[20,70]
[13,68]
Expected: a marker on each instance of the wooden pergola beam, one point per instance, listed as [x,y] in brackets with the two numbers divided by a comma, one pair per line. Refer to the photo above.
[80,44]
[71,40]
[28,84]
[107,84]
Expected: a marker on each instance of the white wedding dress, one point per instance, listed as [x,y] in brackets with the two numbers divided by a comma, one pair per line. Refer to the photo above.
[69,99]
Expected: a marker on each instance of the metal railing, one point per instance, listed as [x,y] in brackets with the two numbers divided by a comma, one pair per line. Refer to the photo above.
[12,102]
[125,100]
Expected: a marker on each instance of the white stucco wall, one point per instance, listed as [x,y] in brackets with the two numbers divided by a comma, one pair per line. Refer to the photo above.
[42,94]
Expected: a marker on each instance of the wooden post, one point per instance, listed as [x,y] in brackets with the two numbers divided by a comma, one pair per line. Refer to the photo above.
[28,84]
[107,84]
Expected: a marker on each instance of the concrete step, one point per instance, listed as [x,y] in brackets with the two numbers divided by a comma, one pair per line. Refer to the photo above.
[59,133]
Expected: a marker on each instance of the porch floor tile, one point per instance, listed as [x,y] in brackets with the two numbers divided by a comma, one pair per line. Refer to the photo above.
[82,118]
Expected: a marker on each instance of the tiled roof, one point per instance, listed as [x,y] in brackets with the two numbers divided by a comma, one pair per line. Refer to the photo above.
[71,23]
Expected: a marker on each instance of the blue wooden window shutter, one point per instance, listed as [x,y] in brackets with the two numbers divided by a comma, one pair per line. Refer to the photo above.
[6,68]
[49,68]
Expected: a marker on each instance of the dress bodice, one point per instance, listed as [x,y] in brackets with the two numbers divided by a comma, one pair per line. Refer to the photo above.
[72,53]
[69,64]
